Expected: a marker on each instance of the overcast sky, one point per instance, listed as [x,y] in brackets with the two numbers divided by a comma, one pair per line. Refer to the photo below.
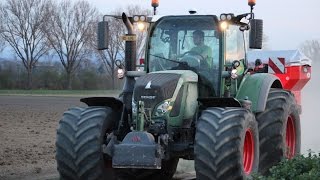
[287,23]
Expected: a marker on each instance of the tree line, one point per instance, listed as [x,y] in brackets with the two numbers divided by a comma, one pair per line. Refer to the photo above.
[65,30]
[88,76]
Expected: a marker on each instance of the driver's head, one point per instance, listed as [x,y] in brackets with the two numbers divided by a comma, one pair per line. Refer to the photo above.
[198,37]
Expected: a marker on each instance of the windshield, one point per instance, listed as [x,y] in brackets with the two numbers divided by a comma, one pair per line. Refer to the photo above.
[185,42]
[177,36]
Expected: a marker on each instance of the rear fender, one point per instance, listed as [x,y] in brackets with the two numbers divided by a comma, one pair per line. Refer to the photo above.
[256,88]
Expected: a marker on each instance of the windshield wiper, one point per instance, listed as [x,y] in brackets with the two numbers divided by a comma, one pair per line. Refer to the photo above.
[182,64]
[171,60]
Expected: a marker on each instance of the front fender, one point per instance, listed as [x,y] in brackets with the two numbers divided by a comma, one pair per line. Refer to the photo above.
[256,87]
[112,102]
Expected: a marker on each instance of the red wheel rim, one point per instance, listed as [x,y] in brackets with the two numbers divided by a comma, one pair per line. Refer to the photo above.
[290,138]
[248,152]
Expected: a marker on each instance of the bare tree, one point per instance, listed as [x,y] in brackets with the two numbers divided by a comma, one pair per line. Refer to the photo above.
[115,50]
[22,28]
[2,44]
[141,35]
[70,33]
[1,27]
[2,41]
[116,45]
[311,49]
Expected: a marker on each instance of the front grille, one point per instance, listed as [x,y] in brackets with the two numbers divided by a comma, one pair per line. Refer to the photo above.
[161,88]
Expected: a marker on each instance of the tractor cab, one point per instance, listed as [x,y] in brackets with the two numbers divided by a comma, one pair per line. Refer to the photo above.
[187,43]
[204,44]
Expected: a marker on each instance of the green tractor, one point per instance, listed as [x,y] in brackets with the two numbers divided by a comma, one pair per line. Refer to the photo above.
[194,100]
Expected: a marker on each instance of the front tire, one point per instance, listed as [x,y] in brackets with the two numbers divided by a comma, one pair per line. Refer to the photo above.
[80,136]
[279,129]
[226,144]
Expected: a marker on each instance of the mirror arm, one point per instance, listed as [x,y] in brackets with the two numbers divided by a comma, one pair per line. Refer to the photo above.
[128,24]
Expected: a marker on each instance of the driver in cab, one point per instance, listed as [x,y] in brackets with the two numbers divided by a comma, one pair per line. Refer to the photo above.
[200,48]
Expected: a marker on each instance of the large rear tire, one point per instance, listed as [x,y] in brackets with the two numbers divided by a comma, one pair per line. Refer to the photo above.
[226,144]
[80,136]
[279,129]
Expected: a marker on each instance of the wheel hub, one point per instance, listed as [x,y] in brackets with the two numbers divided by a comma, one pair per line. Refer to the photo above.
[290,138]
[248,152]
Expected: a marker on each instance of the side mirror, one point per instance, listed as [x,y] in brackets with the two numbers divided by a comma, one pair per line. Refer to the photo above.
[256,34]
[103,35]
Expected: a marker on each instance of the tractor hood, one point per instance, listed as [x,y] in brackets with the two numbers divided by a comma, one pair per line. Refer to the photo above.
[156,87]
[177,87]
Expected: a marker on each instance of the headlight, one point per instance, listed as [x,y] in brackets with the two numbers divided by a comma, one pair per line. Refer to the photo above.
[120,73]
[163,108]
[223,25]
[134,107]
[223,17]
[234,74]
[229,17]
[141,26]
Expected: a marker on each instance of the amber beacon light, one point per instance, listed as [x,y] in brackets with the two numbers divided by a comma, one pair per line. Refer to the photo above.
[155,3]
[251,2]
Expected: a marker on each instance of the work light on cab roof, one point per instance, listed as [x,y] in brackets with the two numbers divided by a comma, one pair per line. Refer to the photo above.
[223,25]
[226,17]
[140,20]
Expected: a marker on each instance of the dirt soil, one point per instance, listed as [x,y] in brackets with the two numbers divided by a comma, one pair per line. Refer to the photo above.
[27,135]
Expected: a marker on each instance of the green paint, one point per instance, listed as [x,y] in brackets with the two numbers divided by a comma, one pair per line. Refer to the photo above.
[222,59]
[140,119]
[250,87]
[256,87]
[188,81]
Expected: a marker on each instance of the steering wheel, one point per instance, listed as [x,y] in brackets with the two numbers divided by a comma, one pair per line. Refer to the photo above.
[193,53]
[193,56]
